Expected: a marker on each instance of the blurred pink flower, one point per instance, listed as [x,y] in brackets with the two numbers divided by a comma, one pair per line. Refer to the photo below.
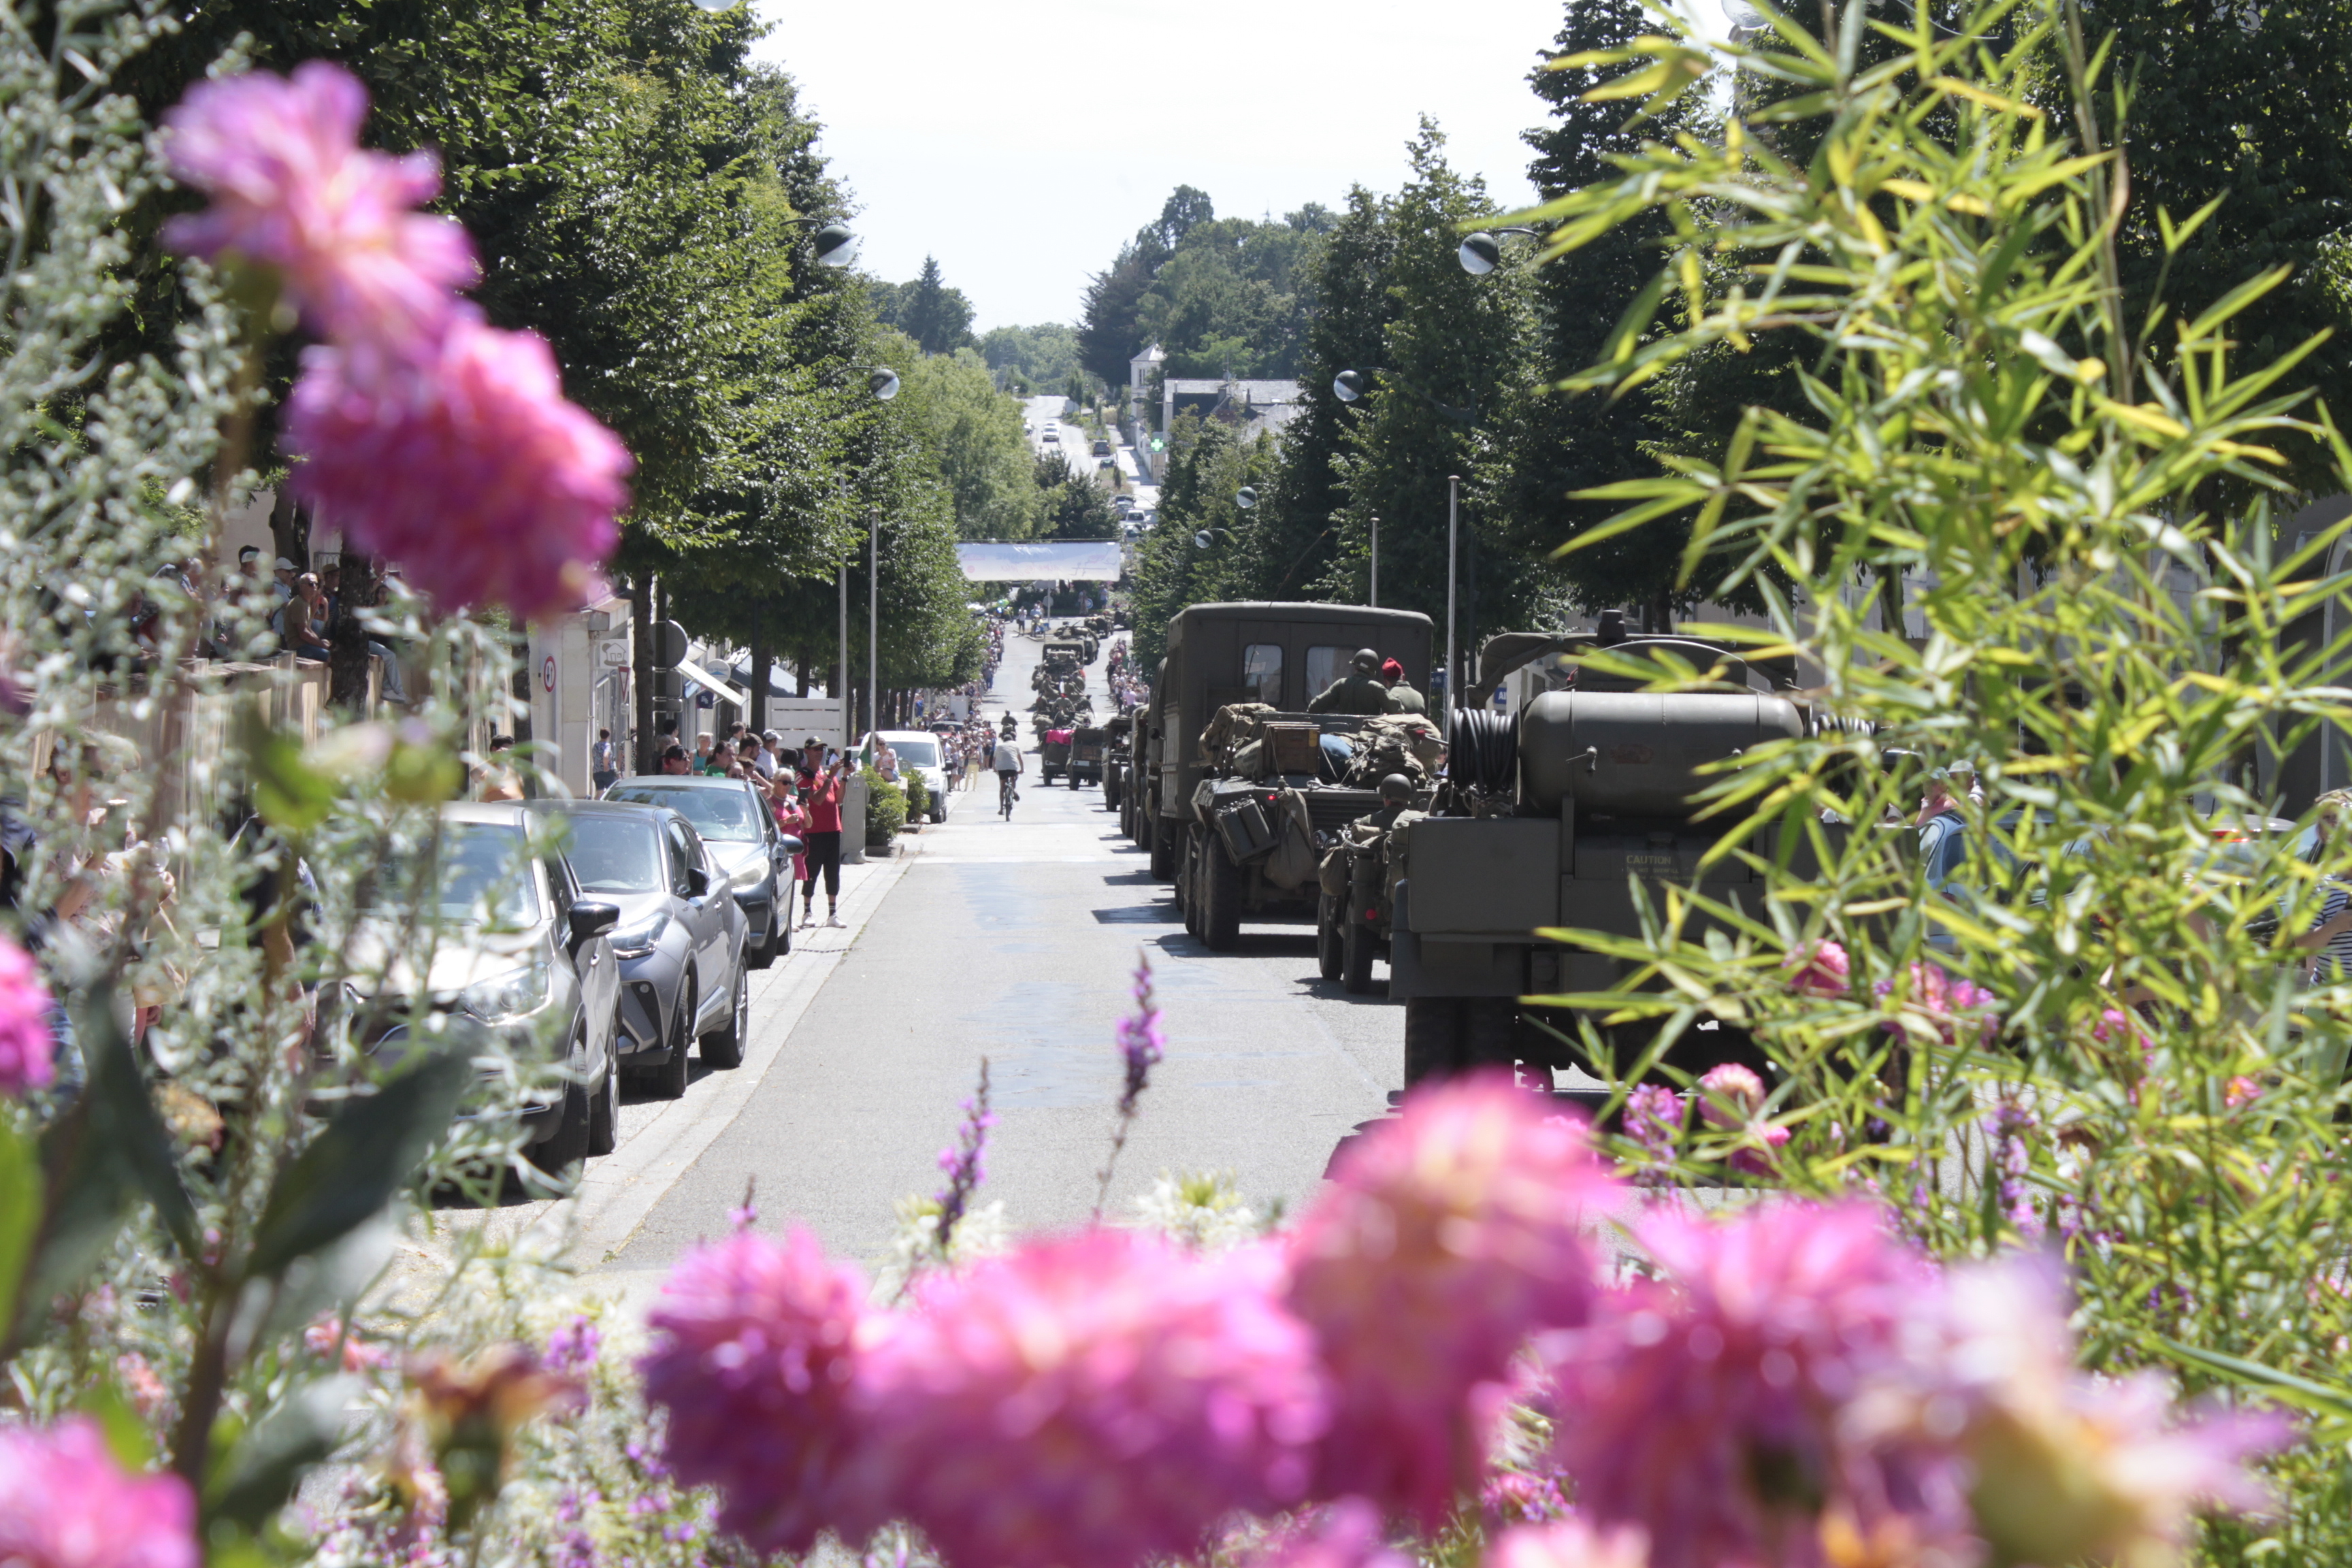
[1345,1535]
[1937,1007]
[2241,1090]
[1446,1238]
[1732,1096]
[462,461]
[757,1356]
[2070,1468]
[1705,1406]
[2115,1024]
[1099,1400]
[291,187]
[65,1503]
[28,1052]
[1568,1543]
[1821,969]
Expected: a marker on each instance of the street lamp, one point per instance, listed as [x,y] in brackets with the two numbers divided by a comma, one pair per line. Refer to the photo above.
[1246,497]
[832,242]
[1207,537]
[1482,252]
[883,382]
[1351,386]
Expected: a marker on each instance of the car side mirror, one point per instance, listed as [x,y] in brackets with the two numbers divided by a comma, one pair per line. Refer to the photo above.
[591,921]
[697,881]
[787,845]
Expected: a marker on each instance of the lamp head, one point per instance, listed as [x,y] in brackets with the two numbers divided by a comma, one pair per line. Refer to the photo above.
[1246,497]
[1480,254]
[1201,539]
[883,383]
[834,245]
[1349,384]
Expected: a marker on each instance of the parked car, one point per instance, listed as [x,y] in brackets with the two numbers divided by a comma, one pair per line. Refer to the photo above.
[679,940]
[732,818]
[1102,448]
[918,750]
[525,953]
[1051,437]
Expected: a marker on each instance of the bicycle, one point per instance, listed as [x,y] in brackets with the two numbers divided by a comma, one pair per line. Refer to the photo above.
[1008,790]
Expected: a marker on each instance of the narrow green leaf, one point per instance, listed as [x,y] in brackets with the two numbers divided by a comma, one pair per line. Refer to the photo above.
[20,1218]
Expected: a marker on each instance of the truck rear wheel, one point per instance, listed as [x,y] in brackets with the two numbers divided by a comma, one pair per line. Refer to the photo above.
[1220,887]
[1326,937]
[1489,1034]
[1160,838]
[1432,1039]
[1357,941]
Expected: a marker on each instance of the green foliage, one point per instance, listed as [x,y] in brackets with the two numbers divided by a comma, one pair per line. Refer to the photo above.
[918,795]
[1206,468]
[935,314]
[885,807]
[972,433]
[2155,1078]
[1026,358]
[1073,505]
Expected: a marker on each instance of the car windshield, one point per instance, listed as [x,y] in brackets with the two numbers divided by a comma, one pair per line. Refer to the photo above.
[616,854]
[918,753]
[726,814]
[486,867]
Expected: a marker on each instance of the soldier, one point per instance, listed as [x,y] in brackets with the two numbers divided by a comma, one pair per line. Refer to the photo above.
[1359,691]
[1403,698]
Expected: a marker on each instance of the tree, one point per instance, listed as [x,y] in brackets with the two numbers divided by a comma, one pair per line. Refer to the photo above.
[1042,355]
[1107,322]
[1072,506]
[937,317]
[973,437]
[1206,467]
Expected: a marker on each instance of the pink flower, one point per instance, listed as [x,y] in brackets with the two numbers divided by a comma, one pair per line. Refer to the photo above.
[756,1366]
[28,1052]
[1653,1121]
[290,187]
[65,1503]
[1568,1543]
[1732,1096]
[1345,1535]
[1821,970]
[2069,1467]
[1937,1006]
[1706,1407]
[2241,1092]
[462,461]
[1447,1237]
[1098,1400]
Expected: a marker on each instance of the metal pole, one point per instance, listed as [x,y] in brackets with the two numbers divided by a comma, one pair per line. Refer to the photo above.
[843,668]
[1376,561]
[873,617]
[1453,531]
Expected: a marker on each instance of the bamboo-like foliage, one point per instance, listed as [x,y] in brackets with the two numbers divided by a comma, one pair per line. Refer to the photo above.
[2095,618]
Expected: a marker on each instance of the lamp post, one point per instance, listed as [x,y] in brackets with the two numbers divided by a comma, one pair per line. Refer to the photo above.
[882,381]
[1452,532]
[1376,561]
[1482,252]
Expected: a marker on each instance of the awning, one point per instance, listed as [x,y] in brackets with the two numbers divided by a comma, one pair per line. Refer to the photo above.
[711,683]
[1089,560]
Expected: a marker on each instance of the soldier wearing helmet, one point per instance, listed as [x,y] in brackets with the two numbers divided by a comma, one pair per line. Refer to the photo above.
[1357,691]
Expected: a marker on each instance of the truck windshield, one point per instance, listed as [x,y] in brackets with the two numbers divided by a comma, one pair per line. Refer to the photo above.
[918,753]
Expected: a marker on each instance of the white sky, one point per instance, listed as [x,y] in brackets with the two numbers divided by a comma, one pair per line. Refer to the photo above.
[1020,142]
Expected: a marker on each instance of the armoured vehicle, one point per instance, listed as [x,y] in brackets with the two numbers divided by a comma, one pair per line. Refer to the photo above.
[1547,819]
[1225,822]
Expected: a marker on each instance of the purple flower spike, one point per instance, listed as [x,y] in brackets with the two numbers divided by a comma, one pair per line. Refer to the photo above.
[962,1162]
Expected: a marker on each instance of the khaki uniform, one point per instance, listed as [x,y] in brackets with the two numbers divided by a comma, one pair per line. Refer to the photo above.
[1403,699]
[1361,694]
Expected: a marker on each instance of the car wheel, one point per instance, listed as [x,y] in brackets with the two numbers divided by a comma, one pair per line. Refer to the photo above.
[764,954]
[569,1144]
[1326,937]
[725,1048]
[1357,941]
[604,1111]
[1432,1039]
[669,1079]
[1221,897]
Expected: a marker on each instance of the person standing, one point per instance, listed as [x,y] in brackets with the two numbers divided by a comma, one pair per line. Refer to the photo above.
[604,761]
[1403,698]
[821,785]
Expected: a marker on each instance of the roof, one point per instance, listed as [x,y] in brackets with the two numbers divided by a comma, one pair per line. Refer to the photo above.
[1276,610]
[1247,391]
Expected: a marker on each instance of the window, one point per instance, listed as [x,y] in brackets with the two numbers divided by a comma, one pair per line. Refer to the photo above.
[681,857]
[1262,672]
[1325,665]
[559,887]
[486,870]
[613,855]
[916,753]
[730,813]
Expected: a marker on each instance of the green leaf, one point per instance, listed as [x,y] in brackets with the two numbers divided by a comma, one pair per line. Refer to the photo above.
[2319,1397]
[290,793]
[127,1437]
[366,1153]
[126,1120]
[20,1218]
[262,1466]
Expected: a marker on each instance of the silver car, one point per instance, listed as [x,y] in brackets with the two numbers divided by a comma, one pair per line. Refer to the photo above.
[680,938]
[736,825]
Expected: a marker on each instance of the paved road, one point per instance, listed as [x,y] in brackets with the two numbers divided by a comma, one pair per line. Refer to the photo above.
[1012,941]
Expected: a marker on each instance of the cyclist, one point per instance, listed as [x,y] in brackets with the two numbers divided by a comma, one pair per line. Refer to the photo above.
[1008,774]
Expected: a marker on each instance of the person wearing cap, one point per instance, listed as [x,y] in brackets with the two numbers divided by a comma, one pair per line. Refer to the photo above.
[282,579]
[1357,691]
[673,760]
[1403,698]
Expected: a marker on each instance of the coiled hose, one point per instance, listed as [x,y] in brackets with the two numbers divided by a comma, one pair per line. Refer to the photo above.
[1483,752]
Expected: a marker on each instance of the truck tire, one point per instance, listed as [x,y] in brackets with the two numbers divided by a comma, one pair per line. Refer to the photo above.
[1489,1034]
[1357,941]
[1433,1039]
[1160,838]
[1076,782]
[1326,937]
[1221,897]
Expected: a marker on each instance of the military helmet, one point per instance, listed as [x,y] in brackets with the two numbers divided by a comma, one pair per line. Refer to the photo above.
[1396,790]
[1366,661]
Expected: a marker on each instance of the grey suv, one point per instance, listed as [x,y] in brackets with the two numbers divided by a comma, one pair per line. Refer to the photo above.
[680,938]
[754,859]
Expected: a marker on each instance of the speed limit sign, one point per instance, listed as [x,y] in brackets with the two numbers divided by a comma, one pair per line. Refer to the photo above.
[547,674]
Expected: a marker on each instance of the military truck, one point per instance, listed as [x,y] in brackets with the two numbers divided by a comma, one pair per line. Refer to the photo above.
[1087,749]
[1547,819]
[1208,816]
[1118,758]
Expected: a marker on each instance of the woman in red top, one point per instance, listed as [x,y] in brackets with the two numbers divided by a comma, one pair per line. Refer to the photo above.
[821,786]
